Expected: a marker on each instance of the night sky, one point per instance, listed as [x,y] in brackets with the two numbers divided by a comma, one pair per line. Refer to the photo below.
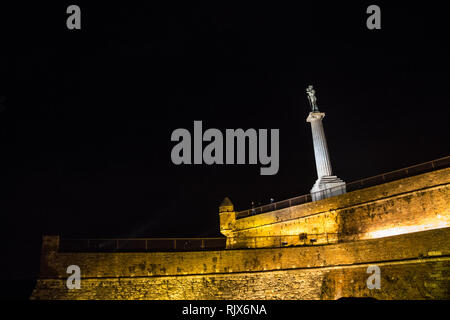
[86,115]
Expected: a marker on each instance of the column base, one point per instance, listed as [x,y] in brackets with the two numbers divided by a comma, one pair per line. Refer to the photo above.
[327,186]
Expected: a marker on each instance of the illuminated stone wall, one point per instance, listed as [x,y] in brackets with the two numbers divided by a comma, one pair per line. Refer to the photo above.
[407,205]
[401,226]
[414,280]
[413,266]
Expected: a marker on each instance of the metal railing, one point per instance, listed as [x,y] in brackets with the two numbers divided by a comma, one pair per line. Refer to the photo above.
[198,244]
[141,244]
[351,186]
[193,244]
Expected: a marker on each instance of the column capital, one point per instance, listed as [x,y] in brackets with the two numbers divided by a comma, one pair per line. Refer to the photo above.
[313,116]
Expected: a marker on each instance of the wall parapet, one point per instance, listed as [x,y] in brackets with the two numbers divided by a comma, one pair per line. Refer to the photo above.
[410,204]
[149,264]
[351,186]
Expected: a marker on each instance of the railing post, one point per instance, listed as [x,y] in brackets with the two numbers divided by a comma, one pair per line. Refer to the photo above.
[175,244]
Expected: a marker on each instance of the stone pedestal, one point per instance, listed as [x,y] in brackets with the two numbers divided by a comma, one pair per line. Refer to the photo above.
[326,185]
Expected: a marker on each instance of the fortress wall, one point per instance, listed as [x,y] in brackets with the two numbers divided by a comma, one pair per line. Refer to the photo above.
[415,211]
[414,279]
[306,272]
[406,205]
[387,220]
[139,264]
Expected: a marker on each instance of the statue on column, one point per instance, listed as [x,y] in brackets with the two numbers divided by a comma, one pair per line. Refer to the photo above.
[312,98]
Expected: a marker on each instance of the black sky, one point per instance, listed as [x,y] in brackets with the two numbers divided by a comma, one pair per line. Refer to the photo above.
[87,115]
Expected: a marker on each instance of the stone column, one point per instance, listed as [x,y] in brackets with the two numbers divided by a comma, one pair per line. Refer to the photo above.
[323,164]
[326,185]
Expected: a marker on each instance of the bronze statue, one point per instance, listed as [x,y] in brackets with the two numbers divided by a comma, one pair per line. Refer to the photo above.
[312,98]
